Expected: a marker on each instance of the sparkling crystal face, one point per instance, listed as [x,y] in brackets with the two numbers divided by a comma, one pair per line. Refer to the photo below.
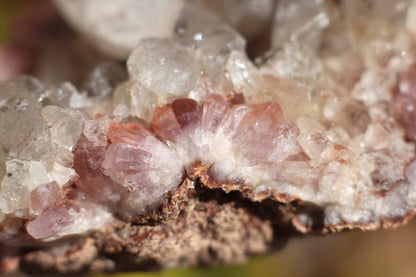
[325,117]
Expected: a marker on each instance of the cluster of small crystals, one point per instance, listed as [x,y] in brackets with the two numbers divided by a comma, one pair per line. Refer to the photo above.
[334,139]
[326,116]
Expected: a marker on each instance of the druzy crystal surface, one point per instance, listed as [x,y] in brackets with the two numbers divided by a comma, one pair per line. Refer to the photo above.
[325,118]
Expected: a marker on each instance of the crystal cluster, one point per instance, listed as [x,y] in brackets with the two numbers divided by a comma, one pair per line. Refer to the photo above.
[325,116]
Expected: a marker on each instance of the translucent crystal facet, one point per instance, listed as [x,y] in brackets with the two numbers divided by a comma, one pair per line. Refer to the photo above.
[179,73]
[20,108]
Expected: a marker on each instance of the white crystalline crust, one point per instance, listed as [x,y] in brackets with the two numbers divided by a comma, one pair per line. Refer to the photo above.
[315,120]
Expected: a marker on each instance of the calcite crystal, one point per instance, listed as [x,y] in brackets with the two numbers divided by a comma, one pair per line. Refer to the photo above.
[191,141]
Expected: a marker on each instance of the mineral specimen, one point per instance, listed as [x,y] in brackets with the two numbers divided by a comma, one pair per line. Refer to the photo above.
[197,154]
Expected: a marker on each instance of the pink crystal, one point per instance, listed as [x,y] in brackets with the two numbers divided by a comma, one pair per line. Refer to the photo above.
[72,212]
[92,180]
[165,123]
[44,195]
[258,132]
[186,112]
[49,223]
[264,135]
[127,133]
[213,110]
[133,171]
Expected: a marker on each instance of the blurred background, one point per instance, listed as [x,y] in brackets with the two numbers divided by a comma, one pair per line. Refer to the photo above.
[383,253]
[30,29]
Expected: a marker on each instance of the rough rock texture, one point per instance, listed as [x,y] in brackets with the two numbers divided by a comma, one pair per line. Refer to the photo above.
[206,233]
[193,154]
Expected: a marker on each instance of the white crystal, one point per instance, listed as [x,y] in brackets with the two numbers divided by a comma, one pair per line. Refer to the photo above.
[115,27]
[65,125]
[104,78]
[293,98]
[373,26]
[163,67]
[389,11]
[23,133]
[411,17]
[242,73]
[79,100]
[211,38]
[58,95]
[136,100]
[295,63]
[14,194]
[374,86]
[299,21]
[60,174]
[312,137]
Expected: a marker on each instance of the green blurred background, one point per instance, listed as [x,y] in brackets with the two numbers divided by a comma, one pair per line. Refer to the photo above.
[354,253]
[9,10]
